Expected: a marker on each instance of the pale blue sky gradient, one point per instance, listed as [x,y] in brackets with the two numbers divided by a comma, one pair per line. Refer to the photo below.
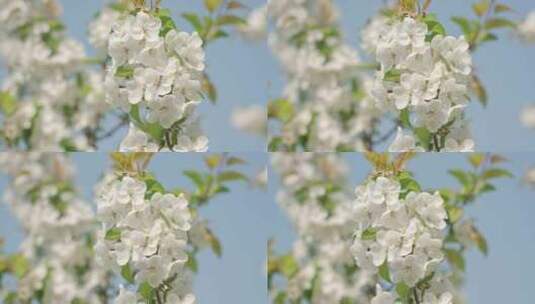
[505,218]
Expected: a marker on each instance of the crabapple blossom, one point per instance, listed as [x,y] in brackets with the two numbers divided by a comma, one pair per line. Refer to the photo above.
[323,229]
[57,224]
[155,74]
[527,117]
[428,77]
[146,232]
[404,233]
[57,102]
[252,119]
[323,80]
[256,25]
[526,29]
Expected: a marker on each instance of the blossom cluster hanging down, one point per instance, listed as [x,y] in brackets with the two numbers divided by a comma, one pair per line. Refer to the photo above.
[155,75]
[58,226]
[319,208]
[322,108]
[50,100]
[400,232]
[144,237]
[424,76]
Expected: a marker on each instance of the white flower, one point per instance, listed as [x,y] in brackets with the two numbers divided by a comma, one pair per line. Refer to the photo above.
[187,47]
[433,77]
[404,143]
[256,26]
[399,232]
[383,297]
[527,117]
[166,110]
[251,119]
[152,270]
[530,177]
[137,141]
[100,28]
[126,297]
[526,29]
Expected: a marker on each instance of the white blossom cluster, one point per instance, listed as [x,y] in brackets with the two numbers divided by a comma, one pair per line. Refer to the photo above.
[403,233]
[530,177]
[147,233]
[323,233]
[100,28]
[322,72]
[256,24]
[57,224]
[158,75]
[526,29]
[429,78]
[527,117]
[251,119]
[56,99]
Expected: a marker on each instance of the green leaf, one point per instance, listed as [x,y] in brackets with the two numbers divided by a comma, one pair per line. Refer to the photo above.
[403,291]
[281,109]
[288,265]
[231,176]
[168,24]
[153,186]
[195,177]
[384,272]
[194,20]
[392,75]
[229,20]
[11,298]
[276,144]
[424,137]
[404,117]
[455,258]
[68,145]
[209,88]
[501,8]
[454,213]
[19,265]
[234,5]
[480,91]
[213,161]
[460,175]
[235,161]
[124,71]
[434,27]
[481,8]
[408,184]
[146,291]
[214,243]
[280,298]
[494,23]
[464,24]
[212,5]
[476,159]
[369,234]
[481,242]
[114,234]
[7,103]
[192,263]
[127,273]
[495,173]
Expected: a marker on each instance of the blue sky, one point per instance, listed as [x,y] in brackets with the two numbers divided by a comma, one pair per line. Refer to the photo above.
[505,218]
[241,219]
